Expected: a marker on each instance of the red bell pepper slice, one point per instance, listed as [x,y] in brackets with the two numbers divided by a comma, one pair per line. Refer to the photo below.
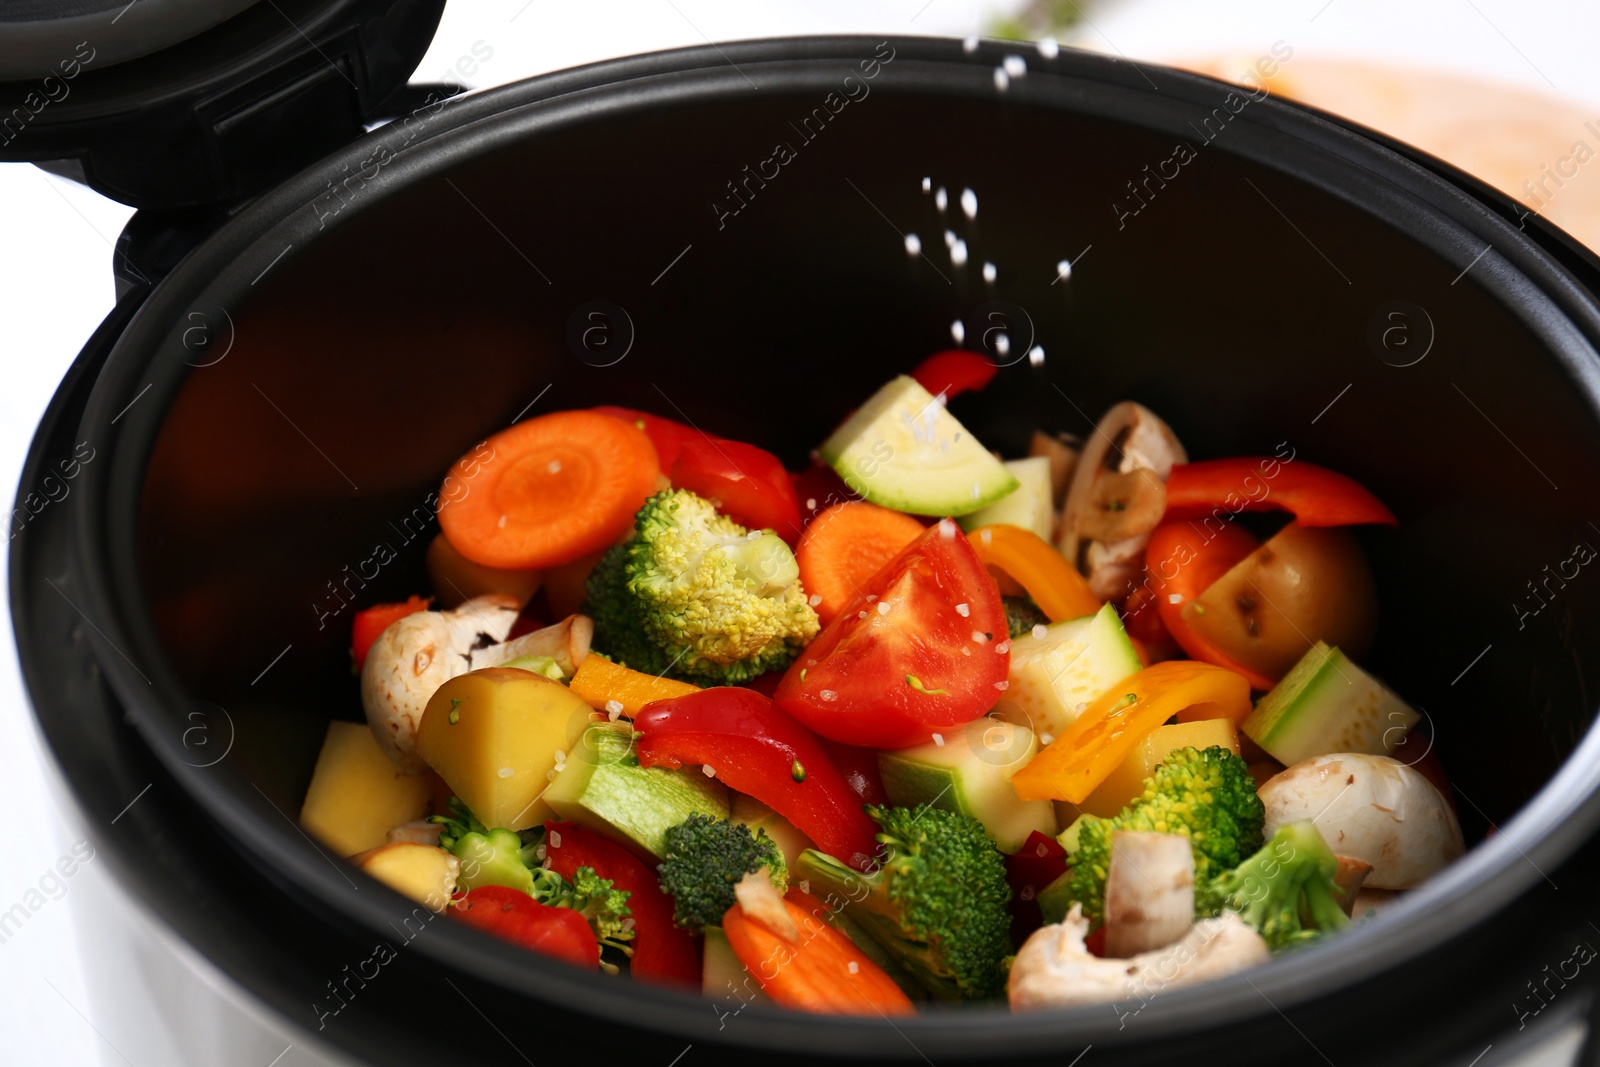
[1040,861]
[954,371]
[662,951]
[748,484]
[515,916]
[758,749]
[668,436]
[370,622]
[1181,561]
[818,488]
[1315,495]
[859,767]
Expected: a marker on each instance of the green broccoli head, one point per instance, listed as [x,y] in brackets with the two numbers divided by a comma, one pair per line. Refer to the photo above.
[1206,795]
[1286,889]
[604,908]
[937,904]
[1022,615]
[705,858]
[693,594]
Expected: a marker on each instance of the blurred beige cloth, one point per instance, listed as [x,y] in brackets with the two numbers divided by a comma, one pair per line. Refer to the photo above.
[1542,150]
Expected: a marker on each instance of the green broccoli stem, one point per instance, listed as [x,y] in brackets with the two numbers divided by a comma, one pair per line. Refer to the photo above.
[1286,889]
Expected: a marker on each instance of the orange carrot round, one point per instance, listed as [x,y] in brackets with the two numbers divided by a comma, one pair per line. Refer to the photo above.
[821,971]
[547,491]
[845,546]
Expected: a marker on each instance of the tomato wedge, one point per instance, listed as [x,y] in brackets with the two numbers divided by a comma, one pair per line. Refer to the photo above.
[1316,496]
[954,371]
[922,649]
[515,916]
[1181,562]
[758,749]
[748,484]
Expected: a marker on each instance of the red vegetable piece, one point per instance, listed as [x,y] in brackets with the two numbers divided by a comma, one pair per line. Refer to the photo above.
[748,484]
[1315,495]
[1181,563]
[860,769]
[927,652]
[371,622]
[758,749]
[668,436]
[1040,861]
[818,488]
[954,371]
[516,917]
[662,952]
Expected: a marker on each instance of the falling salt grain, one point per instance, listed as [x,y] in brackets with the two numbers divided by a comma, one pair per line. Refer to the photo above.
[1003,647]
[871,597]
[614,710]
[1049,48]
[947,530]
[938,739]
[855,968]
[958,253]
[506,772]
[941,200]
[561,757]
[969,45]
[829,694]
[1002,80]
[949,239]
[989,272]
[861,614]
[1002,686]
[957,331]
[1002,345]
[979,636]
[502,522]
[1045,739]
[963,610]
[986,536]
[555,839]
[969,203]
[711,772]
[965,651]
[883,608]
[1040,631]
[1036,356]
[913,245]
[814,600]
[927,183]
[977,491]
[541,852]
[805,883]
[811,503]
[1040,850]
[1015,66]
[1064,269]
[555,466]
[1174,598]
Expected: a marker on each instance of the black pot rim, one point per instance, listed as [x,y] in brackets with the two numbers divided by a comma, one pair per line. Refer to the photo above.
[1455,224]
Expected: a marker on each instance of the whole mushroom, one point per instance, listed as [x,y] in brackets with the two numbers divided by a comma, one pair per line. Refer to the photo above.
[1370,808]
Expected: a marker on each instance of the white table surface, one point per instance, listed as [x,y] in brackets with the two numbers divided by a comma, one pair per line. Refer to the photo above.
[56,285]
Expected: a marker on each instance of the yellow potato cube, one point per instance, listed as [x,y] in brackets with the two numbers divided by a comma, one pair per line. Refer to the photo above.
[496,735]
[357,794]
[1127,781]
[422,872]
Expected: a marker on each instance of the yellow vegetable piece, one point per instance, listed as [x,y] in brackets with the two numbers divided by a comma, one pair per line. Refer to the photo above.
[1082,757]
[599,681]
[456,579]
[1126,783]
[357,794]
[496,735]
[422,872]
[1054,583]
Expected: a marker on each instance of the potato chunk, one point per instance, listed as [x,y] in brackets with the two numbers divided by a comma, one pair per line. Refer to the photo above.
[357,793]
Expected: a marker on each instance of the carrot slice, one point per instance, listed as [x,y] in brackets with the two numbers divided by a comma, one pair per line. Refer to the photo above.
[600,682]
[549,491]
[822,971]
[845,546]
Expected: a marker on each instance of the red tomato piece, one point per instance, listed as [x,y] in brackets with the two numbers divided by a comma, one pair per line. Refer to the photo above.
[370,622]
[924,648]
[662,952]
[954,371]
[758,749]
[1316,496]
[818,488]
[516,917]
[748,484]
[668,436]
[1180,563]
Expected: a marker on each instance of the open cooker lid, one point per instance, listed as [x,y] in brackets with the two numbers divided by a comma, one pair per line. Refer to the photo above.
[174,104]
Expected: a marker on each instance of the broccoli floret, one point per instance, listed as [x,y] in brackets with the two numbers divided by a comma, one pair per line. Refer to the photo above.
[1286,890]
[1022,615]
[1206,795]
[695,595]
[705,858]
[937,904]
[602,906]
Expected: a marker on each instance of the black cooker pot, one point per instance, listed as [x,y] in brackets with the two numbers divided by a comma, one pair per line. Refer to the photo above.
[720,234]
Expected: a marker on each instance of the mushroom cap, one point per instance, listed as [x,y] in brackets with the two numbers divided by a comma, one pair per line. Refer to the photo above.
[413,658]
[1372,808]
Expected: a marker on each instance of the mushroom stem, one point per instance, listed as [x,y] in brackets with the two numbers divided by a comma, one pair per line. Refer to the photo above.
[567,642]
[1149,892]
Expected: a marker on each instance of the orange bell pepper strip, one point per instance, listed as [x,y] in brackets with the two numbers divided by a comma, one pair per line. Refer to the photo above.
[1076,763]
[819,971]
[1053,583]
[598,682]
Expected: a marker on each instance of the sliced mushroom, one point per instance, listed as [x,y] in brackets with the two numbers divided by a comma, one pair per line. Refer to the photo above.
[567,642]
[1053,969]
[1117,495]
[1062,451]
[418,654]
[1149,892]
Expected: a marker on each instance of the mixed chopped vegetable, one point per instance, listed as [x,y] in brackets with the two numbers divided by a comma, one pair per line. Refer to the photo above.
[916,724]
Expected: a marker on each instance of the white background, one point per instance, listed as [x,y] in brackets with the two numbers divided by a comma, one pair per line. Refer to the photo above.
[56,285]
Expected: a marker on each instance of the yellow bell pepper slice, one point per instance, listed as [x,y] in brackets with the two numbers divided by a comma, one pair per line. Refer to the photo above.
[599,681]
[1075,764]
[1053,583]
